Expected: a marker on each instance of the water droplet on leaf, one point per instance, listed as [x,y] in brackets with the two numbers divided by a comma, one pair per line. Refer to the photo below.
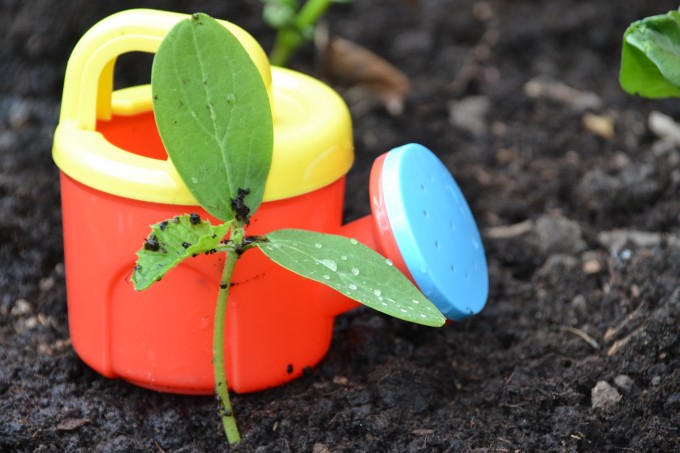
[355,271]
[389,262]
[353,241]
[377,292]
[352,286]
[317,245]
[330,264]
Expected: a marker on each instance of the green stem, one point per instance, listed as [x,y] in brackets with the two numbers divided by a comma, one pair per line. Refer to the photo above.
[289,38]
[226,412]
[311,12]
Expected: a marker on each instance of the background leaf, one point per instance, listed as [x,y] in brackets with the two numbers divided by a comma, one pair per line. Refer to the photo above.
[352,269]
[170,242]
[650,61]
[213,114]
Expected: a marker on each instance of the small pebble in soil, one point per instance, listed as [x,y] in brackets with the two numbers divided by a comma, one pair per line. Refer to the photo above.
[22,307]
[320,448]
[624,382]
[558,234]
[340,380]
[591,263]
[580,306]
[46,284]
[601,125]
[469,113]
[603,396]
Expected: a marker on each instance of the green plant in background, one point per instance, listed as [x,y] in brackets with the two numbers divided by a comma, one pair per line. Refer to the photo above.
[214,117]
[650,61]
[294,24]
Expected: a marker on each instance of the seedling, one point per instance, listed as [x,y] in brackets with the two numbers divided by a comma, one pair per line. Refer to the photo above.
[294,24]
[213,115]
[649,63]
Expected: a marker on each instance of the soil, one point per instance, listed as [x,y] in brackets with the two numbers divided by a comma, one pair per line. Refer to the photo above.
[575,192]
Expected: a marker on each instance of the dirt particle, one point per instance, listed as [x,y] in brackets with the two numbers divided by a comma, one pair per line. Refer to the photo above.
[151,244]
[194,219]
[241,210]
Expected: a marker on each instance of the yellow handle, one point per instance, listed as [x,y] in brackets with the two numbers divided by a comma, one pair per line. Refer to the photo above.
[312,126]
[89,76]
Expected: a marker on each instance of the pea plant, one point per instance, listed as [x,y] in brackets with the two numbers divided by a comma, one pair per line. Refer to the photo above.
[294,25]
[214,117]
[650,60]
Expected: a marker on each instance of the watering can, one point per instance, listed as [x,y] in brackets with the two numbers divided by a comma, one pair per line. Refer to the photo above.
[116,180]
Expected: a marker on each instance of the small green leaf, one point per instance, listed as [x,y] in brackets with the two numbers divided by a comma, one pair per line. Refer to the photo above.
[650,60]
[213,114]
[279,13]
[170,242]
[352,269]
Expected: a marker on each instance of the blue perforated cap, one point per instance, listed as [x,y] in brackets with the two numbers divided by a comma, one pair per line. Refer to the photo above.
[435,231]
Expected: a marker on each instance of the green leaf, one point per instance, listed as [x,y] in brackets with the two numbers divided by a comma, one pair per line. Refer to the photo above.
[279,13]
[170,242]
[650,61]
[352,269]
[213,115]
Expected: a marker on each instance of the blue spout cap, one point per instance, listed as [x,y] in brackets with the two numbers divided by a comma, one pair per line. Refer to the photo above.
[434,230]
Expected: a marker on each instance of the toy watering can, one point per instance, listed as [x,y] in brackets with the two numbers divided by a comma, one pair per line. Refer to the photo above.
[116,180]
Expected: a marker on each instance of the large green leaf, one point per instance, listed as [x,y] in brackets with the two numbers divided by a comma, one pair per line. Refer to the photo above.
[352,269]
[170,242]
[213,115]
[650,61]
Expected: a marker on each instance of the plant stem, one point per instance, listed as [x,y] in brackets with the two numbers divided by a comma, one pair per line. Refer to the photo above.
[289,38]
[221,389]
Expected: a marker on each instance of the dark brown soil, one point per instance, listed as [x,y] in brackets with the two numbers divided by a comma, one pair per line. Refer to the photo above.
[578,348]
